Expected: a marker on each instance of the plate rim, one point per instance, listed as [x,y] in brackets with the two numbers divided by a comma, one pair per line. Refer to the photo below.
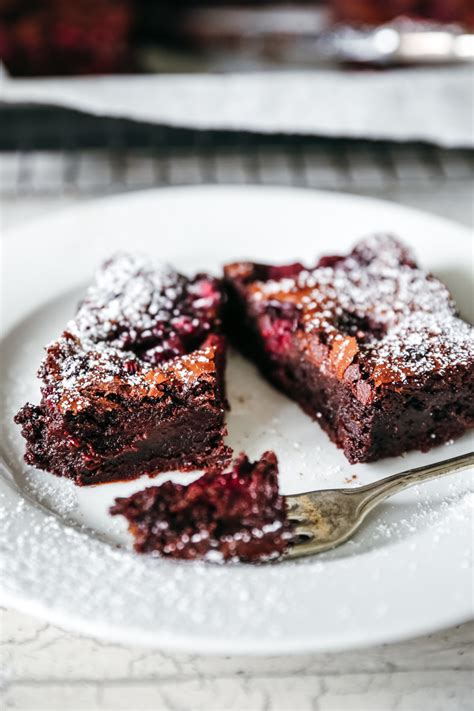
[210,646]
[132,195]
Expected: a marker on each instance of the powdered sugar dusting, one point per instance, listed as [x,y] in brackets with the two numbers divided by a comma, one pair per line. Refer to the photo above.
[135,316]
[74,378]
[57,494]
[402,319]
[134,300]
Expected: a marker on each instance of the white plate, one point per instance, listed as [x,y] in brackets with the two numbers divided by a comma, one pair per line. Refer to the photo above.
[407,572]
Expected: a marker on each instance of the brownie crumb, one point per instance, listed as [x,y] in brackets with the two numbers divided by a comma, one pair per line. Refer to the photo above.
[233,515]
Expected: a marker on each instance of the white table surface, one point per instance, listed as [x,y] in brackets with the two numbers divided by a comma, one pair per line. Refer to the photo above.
[43,667]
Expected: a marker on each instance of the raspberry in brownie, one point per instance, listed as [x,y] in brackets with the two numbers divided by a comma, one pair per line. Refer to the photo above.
[232,515]
[368,344]
[135,384]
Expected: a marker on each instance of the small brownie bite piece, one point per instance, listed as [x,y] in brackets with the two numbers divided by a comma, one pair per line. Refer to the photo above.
[135,384]
[368,344]
[233,515]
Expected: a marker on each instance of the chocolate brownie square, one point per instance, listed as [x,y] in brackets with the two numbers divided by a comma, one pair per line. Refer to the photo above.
[369,344]
[135,384]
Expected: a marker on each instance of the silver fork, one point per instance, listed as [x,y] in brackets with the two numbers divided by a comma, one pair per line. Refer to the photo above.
[325,519]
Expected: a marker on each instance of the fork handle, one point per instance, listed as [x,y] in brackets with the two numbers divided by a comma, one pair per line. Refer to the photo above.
[373,494]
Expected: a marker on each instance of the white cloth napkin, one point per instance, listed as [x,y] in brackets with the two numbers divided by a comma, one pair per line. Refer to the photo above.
[433,105]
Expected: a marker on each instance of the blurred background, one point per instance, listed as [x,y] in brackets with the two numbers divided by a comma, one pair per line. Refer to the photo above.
[368,96]
[51,37]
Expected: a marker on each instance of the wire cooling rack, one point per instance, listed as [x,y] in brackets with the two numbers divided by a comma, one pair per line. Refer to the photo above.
[46,150]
